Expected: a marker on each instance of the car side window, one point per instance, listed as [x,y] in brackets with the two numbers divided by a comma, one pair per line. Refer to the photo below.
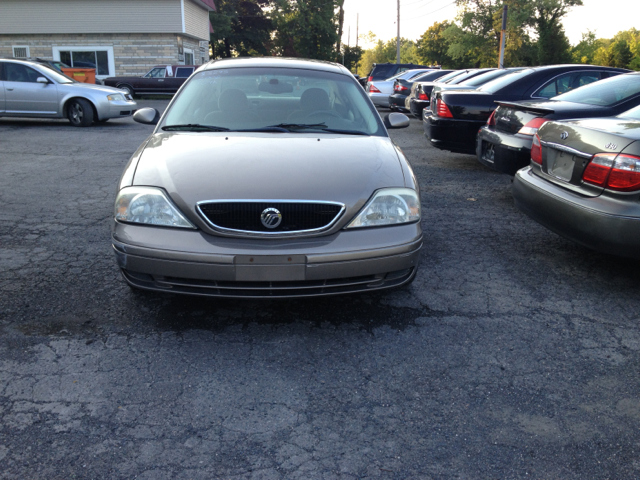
[14,72]
[184,72]
[567,82]
[156,73]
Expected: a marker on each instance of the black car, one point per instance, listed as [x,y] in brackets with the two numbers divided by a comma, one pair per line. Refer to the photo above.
[402,88]
[457,116]
[584,182]
[382,71]
[504,143]
[421,97]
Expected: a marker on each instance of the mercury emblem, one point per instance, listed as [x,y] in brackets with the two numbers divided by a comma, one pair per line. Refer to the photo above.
[564,135]
[271,217]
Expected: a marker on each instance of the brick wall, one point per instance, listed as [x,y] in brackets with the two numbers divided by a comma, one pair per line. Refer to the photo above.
[134,54]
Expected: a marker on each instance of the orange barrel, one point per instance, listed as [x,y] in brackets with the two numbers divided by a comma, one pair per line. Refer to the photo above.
[82,75]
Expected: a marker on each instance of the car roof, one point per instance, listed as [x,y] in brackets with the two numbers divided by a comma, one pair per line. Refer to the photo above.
[277,62]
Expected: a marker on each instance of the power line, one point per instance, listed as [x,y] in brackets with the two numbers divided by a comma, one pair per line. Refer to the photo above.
[434,11]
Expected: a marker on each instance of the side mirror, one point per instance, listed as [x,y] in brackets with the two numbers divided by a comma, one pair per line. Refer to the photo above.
[148,116]
[42,80]
[396,120]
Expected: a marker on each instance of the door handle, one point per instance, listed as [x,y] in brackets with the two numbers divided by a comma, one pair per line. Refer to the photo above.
[10,89]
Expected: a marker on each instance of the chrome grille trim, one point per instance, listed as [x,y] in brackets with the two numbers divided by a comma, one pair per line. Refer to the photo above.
[564,148]
[270,234]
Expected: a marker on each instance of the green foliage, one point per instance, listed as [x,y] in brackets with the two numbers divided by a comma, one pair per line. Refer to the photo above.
[352,56]
[623,50]
[433,46]
[241,28]
[306,28]
[384,52]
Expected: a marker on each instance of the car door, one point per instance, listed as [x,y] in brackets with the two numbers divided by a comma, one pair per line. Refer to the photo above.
[24,95]
[1,89]
[154,81]
[180,74]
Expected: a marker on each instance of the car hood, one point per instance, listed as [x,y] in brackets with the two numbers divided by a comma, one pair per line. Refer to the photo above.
[194,167]
[89,87]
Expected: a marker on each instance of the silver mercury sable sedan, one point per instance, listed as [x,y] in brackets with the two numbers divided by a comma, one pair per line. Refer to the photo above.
[268,177]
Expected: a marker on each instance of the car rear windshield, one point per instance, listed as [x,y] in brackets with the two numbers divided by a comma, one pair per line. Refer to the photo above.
[431,76]
[501,82]
[280,99]
[486,77]
[633,114]
[605,92]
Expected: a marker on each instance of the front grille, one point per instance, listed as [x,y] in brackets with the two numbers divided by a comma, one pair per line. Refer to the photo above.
[296,216]
[305,288]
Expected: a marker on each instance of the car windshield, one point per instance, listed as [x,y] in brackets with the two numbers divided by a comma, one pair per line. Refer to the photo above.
[57,76]
[499,83]
[273,100]
[451,76]
[605,92]
[433,75]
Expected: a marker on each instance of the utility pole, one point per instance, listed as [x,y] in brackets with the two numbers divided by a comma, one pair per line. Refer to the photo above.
[357,24]
[502,36]
[398,37]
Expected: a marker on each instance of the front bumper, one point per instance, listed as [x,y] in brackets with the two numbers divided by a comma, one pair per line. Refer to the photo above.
[193,262]
[452,134]
[118,109]
[379,99]
[600,223]
[503,152]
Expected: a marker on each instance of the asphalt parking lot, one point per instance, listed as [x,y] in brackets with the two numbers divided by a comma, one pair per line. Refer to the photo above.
[514,354]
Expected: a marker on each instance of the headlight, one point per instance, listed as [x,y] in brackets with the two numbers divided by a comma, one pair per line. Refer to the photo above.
[150,206]
[116,97]
[389,206]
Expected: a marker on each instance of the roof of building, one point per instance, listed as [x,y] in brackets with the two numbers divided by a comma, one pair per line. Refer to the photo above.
[210,4]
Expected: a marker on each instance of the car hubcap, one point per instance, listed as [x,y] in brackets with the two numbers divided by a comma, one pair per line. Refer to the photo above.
[76,113]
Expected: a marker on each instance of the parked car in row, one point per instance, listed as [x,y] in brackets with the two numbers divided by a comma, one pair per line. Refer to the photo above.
[402,88]
[380,90]
[35,90]
[161,79]
[458,115]
[420,96]
[584,182]
[276,211]
[381,71]
[504,143]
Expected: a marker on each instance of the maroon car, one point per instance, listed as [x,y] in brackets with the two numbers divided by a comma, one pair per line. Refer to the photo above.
[160,79]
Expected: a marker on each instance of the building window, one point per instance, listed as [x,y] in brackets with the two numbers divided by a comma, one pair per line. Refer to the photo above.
[188,57]
[21,51]
[100,58]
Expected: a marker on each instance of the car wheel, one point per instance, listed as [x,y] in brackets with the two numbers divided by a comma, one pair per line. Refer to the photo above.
[80,112]
[127,88]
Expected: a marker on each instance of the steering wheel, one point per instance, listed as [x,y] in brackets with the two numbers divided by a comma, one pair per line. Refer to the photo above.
[330,113]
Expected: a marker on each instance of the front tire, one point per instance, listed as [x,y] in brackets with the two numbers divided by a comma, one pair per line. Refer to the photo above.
[80,112]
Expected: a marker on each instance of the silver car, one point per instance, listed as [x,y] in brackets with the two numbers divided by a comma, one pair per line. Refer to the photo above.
[268,177]
[29,89]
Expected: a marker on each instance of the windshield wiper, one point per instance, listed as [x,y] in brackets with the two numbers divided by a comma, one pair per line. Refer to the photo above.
[195,127]
[293,127]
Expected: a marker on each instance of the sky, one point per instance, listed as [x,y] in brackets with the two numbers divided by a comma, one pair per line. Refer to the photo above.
[416,16]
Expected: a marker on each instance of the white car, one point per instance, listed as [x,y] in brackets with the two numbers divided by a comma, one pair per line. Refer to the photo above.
[379,90]
[34,90]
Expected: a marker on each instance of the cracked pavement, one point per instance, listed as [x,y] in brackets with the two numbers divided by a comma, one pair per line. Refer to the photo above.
[514,354]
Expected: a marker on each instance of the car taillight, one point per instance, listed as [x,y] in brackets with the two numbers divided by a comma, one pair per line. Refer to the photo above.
[423,96]
[402,88]
[531,128]
[443,110]
[370,79]
[492,119]
[373,89]
[621,172]
[536,150]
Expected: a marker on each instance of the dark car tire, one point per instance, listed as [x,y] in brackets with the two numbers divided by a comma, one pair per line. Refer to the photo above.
[80,112]
[127,87]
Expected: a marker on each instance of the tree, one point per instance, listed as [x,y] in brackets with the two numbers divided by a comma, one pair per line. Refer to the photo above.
[553,44]
[352,56]
[384,52]
[307,28]
[240,28]
[621,53]
[433,46]
[585,51]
